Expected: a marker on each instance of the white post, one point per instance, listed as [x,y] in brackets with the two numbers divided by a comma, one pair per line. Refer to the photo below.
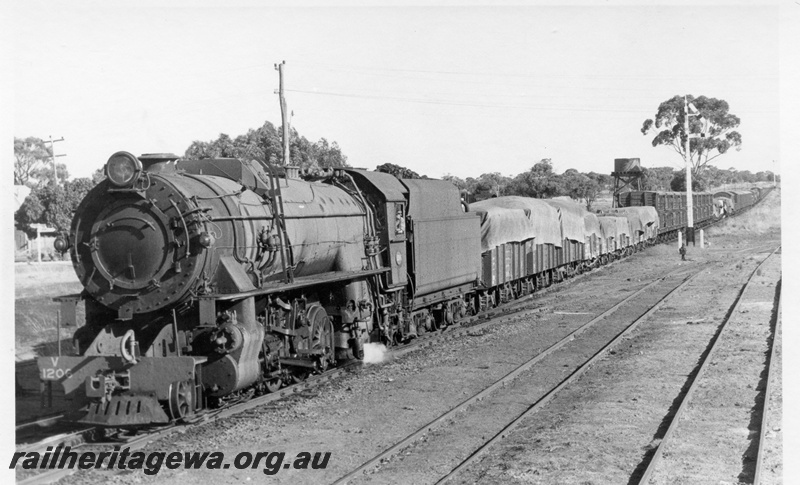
[38,245]
[702,243]
[689,198]
[680,239]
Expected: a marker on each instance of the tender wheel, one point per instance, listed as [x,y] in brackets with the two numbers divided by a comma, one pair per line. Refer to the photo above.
[181,399]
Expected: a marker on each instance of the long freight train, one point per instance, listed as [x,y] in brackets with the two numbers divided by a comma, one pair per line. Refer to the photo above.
[208,279]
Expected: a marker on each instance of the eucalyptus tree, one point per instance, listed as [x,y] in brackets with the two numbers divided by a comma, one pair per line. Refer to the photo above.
[713,124]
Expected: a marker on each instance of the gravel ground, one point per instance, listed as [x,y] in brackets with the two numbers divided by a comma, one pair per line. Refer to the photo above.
[447,447]
[772,464]
[604,427]
[369,411]
[717,436]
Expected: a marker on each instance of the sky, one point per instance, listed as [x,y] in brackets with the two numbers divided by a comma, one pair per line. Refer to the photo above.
[460,90]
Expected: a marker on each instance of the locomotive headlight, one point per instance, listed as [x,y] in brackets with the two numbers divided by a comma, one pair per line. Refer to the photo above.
[398,258]
[206,240]
[61,244]
[122,169]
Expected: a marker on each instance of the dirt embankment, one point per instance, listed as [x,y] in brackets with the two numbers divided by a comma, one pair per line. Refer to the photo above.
[35,279]
[35,312]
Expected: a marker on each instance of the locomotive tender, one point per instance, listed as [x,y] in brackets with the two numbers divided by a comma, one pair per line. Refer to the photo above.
[208,280]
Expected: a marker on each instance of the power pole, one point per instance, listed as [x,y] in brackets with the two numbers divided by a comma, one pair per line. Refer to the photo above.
[284,113]
[53,155]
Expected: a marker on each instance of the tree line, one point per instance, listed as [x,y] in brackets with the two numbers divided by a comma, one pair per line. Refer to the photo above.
[266,144]
[53,204]
[711,134]
[54,198]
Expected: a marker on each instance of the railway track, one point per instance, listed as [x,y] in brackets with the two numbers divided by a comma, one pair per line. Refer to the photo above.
[41,422]
[515,308]
[511,307]
[582,350]
[87,439]
[701,419]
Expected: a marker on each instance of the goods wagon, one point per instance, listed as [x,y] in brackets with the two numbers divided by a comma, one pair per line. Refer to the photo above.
[671,208]
[521,239]
[742,199]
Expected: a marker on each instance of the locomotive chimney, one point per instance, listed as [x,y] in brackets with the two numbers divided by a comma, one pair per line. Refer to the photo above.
[158,162]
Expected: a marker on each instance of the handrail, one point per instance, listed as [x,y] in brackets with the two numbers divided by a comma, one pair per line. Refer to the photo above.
[276,200]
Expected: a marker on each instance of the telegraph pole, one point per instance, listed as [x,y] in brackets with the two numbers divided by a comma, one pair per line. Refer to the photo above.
[53,156]
[688,160]
[284,113]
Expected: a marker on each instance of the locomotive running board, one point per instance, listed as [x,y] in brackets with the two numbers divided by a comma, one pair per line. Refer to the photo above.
[299,282]
[294,362]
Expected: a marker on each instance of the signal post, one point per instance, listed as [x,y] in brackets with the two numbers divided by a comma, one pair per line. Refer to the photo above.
[688,160]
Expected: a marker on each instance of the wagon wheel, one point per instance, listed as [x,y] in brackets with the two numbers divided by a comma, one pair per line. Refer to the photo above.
[181,399]
[484,303]
[435,324]
[513,292]
[419,325]
[460,311]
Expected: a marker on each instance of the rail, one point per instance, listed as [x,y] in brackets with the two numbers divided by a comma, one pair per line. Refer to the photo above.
[767,394]
[647,474]
[505,380]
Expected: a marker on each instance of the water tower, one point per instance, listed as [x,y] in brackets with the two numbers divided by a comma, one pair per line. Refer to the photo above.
[627,175]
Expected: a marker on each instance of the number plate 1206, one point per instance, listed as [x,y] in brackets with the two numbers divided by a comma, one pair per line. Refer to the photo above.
[55,372]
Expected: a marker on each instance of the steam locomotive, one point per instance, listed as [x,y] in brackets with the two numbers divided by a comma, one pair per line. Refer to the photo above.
[205,279]
[208,280]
